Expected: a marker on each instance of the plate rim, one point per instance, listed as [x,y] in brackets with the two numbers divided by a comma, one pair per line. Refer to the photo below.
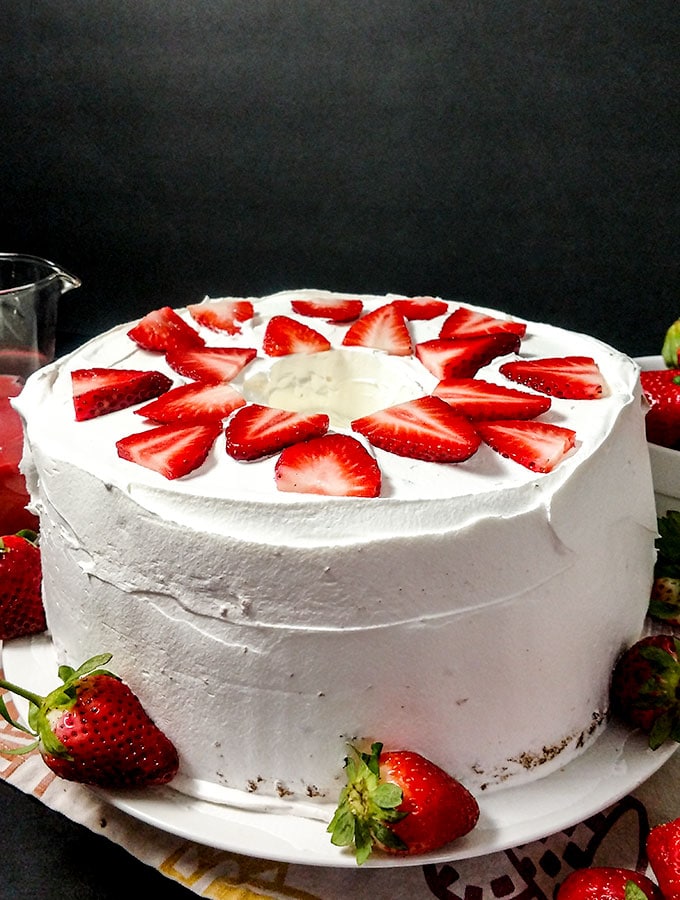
[622,758]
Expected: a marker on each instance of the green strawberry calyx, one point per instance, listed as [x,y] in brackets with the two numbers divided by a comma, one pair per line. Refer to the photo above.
[366,807]
[662,691]
[671,345]
[634,892]
[61,698]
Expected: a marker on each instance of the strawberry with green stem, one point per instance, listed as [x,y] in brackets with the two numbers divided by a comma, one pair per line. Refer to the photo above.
[664,602]
[645,688]
[93,729]
[400,802]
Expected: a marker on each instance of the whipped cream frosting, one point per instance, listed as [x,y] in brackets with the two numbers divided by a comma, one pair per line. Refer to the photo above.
[472,612]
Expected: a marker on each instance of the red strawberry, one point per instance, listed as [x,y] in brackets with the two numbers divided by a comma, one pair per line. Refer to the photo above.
[172,450]
[464,357]
[426,428]
[400,802]
[222,315]
[211,364]
[539,446]
[335,465]
[338,310]
[381,329]
[21,609]
[97,392]
[284,335]
[608,883]
[162,329]
[255,431]
[196,402]
[568,377]
[92,729]
[662,391]
[663,850]
[645,688]
[479,400]
[421,307]
[664,603]
[465,322]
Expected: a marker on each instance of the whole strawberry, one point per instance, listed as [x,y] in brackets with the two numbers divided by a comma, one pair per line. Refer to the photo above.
[21,608]
[608,883]
[645,689]
[92,729]
[664,603]
[663,850]
[661,388]
[400,802]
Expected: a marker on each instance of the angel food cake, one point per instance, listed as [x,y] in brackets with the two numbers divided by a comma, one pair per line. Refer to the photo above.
[310,519]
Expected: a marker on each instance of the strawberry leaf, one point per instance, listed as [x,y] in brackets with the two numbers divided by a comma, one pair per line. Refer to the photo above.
[633,892]
[668,545]
[387,795]
[4,712]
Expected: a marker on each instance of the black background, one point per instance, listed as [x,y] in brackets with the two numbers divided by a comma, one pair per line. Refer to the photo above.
[520,155]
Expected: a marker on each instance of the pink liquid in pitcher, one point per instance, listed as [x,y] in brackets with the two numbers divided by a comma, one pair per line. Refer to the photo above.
[13,493]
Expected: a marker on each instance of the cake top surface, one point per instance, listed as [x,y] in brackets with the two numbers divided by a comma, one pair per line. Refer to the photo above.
[344,382]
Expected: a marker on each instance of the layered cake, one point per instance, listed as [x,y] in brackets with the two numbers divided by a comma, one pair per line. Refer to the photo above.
[465,596]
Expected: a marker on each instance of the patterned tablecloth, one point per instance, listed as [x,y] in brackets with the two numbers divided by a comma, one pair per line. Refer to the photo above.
[615,836]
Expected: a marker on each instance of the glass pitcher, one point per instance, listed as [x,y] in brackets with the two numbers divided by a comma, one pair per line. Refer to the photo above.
[29,292]
[30,289]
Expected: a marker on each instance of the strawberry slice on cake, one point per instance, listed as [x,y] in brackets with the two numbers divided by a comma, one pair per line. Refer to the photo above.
[212,364]
[162,329]
[341,310]
[193,403]
[466,322]
[222,315]
[538,446]
[423,308]
[285,335]
[334,465]
[99,391]
[567,377]
[426,428]
[382,329]
[171,450]
[479,400]
[255,430]
[464,357]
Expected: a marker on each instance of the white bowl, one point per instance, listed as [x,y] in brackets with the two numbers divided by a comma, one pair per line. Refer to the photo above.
[664,461]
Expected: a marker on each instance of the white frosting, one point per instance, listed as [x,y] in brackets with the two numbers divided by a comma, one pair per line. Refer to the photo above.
[472,612]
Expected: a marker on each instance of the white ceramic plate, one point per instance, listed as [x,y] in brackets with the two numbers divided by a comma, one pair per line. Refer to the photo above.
[617,763]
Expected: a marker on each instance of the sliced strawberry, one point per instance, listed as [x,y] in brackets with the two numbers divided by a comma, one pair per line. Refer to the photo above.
[567,377]
[172,450]
[426,428]
[162,329]
[480,400]
[222,315]
[199,402]
[99,391]
[210,364]
[284,335]
[421,307]
[255,431]
[465,322]
[335,465]
[464,357]
[539,446]
[340,310]
[382,329]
